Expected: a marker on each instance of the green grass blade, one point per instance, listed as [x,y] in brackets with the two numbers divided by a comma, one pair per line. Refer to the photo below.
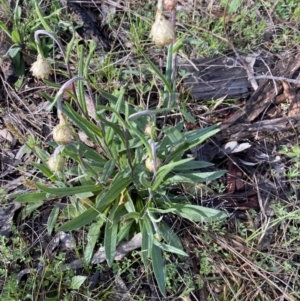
[158,73]
[92,48]
[5,29]
[81,96]
[40,16]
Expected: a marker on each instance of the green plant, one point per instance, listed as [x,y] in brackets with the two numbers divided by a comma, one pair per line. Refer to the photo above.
[115,189]
[22,25]
[293,153]
[286,9]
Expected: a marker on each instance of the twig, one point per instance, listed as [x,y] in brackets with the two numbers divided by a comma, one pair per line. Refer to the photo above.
[280,78]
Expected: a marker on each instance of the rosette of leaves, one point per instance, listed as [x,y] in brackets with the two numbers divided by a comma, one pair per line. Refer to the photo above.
[114,191]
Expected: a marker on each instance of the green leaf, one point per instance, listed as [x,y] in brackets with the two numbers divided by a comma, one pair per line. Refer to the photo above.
[40,16]
[111,98]
[13,51]
[147,239]
[114,118]
[192,165]
[110,241]
[32,197]
[174,134]
[169,236]
[16,37]
[159,269]
[169,63]
[107,170]
[198,213]
[124,231]
[141,136]
[169,248]
[77,281]
[45,170]
[30,208]
[5,29]
[81,220]
[69,190]
[178,44]
[196,137]
[196,177]
[158,72]
[86,126]
[52,220]
[115,112]
[93,235]
[89,153]
[131,215]
[70,46]
[114,126]
[114,190]
[164,170]
[92,48]
[80,93]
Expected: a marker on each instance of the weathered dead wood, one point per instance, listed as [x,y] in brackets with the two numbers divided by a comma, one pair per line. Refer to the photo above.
[266,92]
[212,78]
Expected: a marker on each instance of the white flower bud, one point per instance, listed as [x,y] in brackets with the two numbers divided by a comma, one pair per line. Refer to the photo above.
[56,163]
[162,31]
[63,132]
[150,129]
[40,68]
[150,164]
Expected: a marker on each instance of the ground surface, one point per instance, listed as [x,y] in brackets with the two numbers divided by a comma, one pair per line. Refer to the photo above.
[254,254]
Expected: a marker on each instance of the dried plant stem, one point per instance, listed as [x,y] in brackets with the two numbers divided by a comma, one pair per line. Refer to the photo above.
[51,35]
[171,98]
[58,98]
[174,56]
[159,5]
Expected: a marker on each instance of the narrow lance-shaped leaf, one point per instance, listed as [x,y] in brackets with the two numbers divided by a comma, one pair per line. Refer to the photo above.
[93,235]
[198,213]
[52,220]
[158,73]
[159,269]
[169,248]
[32,197]
[110,240]
[164,170]
[64,191]
[108,170]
